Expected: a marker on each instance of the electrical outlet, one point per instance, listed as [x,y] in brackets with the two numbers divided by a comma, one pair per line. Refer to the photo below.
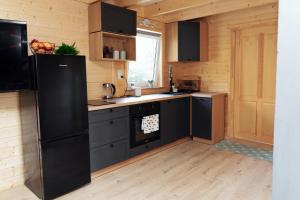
[120,74]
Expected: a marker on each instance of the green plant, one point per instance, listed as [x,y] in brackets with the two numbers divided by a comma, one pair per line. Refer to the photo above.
[67,49]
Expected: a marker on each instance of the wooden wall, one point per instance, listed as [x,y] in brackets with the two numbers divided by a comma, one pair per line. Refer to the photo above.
[215,73]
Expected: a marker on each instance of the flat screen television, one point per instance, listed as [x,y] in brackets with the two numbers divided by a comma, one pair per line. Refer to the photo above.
[14,74]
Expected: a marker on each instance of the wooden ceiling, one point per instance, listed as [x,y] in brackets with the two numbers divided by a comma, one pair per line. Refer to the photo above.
[177,10]
[125,3]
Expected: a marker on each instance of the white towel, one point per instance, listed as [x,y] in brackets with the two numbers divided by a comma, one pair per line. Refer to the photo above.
[150,123]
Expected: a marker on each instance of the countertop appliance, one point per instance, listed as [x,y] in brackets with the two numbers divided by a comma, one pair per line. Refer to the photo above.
[13,56]
[188,84]
[110,90]
[138,113]
[56,109]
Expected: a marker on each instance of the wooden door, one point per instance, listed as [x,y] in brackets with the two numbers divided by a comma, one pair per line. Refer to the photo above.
[254,88]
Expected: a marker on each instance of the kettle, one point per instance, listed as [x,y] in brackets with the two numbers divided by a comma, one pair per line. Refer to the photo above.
[110,90]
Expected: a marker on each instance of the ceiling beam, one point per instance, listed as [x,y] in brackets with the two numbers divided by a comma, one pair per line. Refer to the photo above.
[170,10]
[130,3]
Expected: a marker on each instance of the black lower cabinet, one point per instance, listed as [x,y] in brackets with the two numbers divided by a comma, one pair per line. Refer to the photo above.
[109,137]
[202,117]
[109,132]
[144,148]
[175,119]
[109,154]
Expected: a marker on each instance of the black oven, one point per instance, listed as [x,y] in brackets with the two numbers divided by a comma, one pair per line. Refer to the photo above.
[144,123]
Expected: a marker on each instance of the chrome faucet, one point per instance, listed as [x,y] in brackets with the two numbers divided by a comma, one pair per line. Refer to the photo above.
[171,77]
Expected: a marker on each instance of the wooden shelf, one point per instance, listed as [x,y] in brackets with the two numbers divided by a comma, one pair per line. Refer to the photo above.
[98,40]
[115,60]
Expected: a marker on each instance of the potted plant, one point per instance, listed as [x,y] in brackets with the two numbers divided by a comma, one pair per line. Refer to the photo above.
[66,49]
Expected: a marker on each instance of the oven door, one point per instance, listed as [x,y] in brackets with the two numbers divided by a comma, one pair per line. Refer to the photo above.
[137,134]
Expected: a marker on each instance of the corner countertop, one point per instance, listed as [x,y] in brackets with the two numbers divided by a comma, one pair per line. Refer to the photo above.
[126,101]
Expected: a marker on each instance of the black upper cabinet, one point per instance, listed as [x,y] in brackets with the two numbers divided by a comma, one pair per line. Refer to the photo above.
[110,18]
[118,20]
[188,41]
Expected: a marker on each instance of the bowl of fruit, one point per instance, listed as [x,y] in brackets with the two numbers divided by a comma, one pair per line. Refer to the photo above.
[38,47]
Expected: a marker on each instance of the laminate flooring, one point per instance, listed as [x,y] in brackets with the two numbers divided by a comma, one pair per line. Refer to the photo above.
[188,171]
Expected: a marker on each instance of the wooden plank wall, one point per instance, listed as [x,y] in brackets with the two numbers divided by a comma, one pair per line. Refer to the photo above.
[215,73]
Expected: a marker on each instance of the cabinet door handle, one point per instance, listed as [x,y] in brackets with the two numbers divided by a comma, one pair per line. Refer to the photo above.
[111,145]
[111,122]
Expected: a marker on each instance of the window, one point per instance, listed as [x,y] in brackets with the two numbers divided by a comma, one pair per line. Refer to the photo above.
[146,70]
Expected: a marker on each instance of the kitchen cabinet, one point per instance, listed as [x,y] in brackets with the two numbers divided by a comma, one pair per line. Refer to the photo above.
[109,137]
[187,41]
[175,119]
[108,154]
[111,28]
[208,119]
[144,148]
[113,19]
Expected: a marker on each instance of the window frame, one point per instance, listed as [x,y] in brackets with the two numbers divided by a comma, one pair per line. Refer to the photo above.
[157,68]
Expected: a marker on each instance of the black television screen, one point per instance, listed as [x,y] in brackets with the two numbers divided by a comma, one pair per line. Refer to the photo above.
[13,56]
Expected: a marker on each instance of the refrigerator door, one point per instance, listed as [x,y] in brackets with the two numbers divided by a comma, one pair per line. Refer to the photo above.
[66,165]
[61,96]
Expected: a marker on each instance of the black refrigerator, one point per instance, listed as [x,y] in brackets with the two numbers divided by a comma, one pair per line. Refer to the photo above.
[55,111]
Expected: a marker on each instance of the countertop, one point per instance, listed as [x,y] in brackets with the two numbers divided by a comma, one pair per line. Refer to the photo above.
[126,101]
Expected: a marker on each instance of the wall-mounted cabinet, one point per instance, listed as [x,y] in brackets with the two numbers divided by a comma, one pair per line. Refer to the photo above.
[110,18]
[187,41]
[99,40]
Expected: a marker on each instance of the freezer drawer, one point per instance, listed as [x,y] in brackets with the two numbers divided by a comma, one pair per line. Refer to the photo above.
[66,165]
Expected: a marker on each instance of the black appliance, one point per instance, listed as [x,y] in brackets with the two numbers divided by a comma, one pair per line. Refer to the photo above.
[13,56]
[56,109]
[118,20]
[137,114]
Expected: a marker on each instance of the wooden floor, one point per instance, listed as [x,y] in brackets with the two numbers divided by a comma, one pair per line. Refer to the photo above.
[188,171]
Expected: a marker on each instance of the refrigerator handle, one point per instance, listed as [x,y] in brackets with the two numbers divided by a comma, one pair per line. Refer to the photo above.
[63,65]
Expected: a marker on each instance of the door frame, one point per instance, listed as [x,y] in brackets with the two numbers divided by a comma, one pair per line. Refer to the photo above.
[235,32]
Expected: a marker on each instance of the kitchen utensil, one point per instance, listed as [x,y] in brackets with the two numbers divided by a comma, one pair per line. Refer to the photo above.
[109,89]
